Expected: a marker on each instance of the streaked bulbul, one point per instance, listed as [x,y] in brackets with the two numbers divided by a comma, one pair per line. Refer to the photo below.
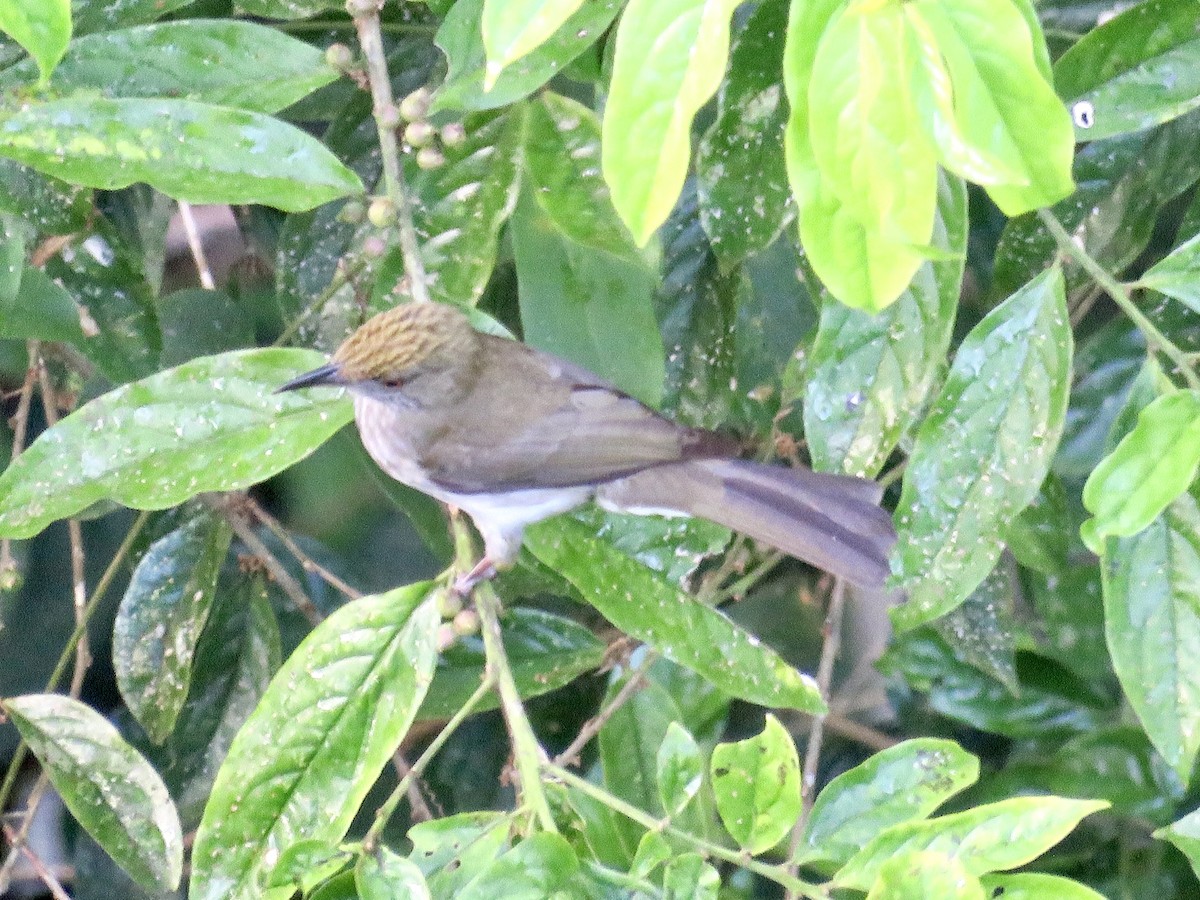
[511,436]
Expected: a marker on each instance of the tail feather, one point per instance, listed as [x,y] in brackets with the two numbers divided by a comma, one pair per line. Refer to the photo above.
[831,521]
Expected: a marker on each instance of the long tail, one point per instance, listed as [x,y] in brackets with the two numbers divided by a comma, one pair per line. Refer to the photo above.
[831,521]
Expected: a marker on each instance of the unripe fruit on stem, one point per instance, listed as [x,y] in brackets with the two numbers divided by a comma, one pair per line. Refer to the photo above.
[454,134]
[449,604]
[382,212]
[419,133]
[466,623]
[429,158]
[415,105]
[339,56]
[446,637]
[352,212]
[374,246]
[389,117]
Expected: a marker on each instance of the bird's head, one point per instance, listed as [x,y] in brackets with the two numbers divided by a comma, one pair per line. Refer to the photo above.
[396,347]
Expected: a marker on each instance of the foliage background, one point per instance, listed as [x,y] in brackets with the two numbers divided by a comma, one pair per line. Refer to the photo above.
[687,229]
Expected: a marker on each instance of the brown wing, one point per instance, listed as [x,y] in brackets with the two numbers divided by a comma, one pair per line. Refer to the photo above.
[566,427]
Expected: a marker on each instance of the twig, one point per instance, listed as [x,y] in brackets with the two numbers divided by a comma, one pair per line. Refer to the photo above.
[777,874]
[282,576]
[858,732]
[384,813]
[64,660]
[738,589]
[812,753]
[341,277]
[416,800]
[1120,295]
[592,726]
[57,891]
[20,425]
[195,245]
[366,21]
[309,564]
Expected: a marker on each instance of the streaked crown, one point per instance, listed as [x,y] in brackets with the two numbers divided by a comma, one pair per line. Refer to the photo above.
[403,340]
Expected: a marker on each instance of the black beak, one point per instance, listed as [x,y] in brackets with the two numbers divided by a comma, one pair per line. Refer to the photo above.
[326,375]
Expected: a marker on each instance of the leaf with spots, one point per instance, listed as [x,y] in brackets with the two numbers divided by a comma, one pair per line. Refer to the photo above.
[213,424]
[984,449]
[757,786]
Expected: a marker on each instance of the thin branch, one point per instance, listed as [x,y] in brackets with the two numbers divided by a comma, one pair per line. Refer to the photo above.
[195,245]
[20,426]
[309,564]
[591,728]
[812,754]
[282,576]
[1120,295]
[345,272]
[39,869]
[366,21]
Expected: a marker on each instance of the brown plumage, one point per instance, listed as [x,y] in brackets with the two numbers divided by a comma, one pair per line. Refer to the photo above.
[512,435]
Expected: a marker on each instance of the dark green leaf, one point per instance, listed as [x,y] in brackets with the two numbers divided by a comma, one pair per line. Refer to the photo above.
[42,27]
[286,9]
[307,756]
[1178,275]
[1151,466]
[386,876]
[227,63]
[987,838]
[42,310]
[1185,834]
[900,784]
[160,619]
[1039,537]
[109,788]
[540,866]
[545,652]
[107,15]
[644,606]
[196,322]
[1136,70]
[673,546]
[188,150]
[984,449]
[587,305]
[757,786]
[869,376]
[744,196]
[1152,620]
[983,630]
[461,39]
[214,424]
[1071,614]
[49,205]
[451,850]
[688,877]
[670,56]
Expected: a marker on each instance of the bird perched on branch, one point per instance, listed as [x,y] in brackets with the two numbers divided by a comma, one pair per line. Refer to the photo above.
[511,436]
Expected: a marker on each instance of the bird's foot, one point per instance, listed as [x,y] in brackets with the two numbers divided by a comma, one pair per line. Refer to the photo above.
[483,570]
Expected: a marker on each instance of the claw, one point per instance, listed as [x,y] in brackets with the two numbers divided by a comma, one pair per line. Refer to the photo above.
[484,569]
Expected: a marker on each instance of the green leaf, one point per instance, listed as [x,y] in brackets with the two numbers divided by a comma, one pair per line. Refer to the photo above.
[461,39]
[160,619]
[104,15]
[188,150]
[922,874]
[680,769]
[1152,621]
[286,9]
[385,876]
[49,205]
[984,839]
[514,28]
[539,866]
[42,27]
[450,851]
[900,784]
[984,449]
[1004,101]
[306,864]
[757,786]
[862,266]
[1185,834]
[1178,274]
[870,376]
[226,63]
[545,652]
[196,322]
[41,310]
[688,877]
[1039,537]
[744,196]
[1151,466]
[1134,71]
[1036,886]
[982,631]
[586,305]
[562,145]
[338,709]
[872,154]
[670,57]
[214,424]
[673,546]
[683,630]
[460,208]
[108,787]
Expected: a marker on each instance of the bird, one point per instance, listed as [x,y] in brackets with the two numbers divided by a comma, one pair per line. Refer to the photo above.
[512,435]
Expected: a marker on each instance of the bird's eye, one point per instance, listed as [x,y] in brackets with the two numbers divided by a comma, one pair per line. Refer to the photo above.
[393,382]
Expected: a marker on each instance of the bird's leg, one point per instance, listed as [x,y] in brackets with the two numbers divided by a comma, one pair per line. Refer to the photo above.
[483,570]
